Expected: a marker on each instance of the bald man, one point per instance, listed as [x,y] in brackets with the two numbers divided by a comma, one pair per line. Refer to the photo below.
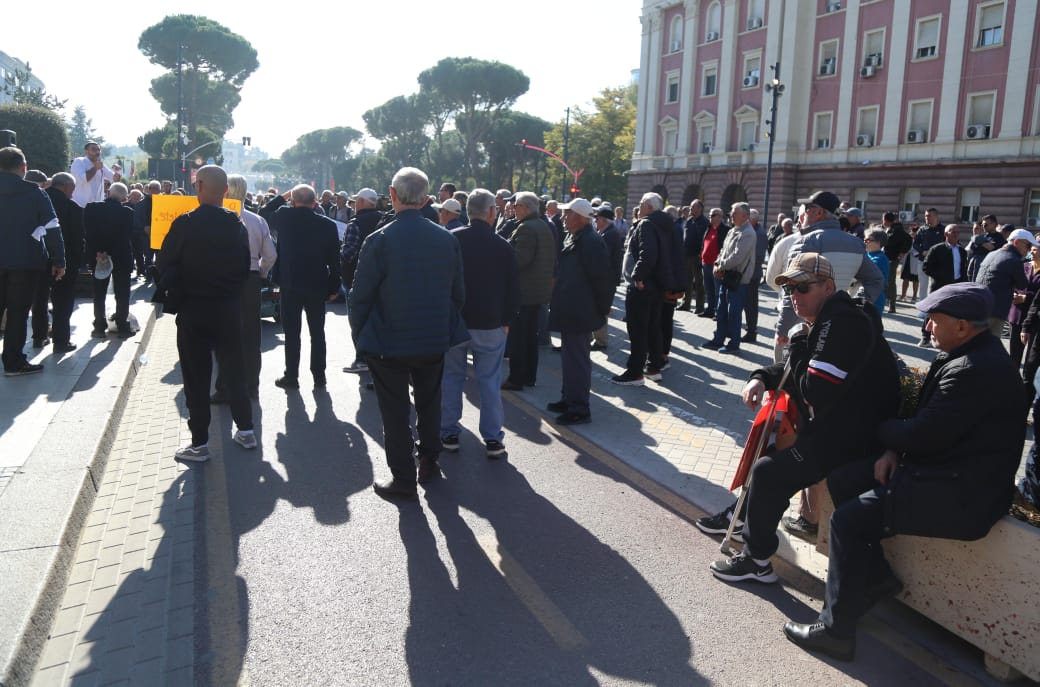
[203,263]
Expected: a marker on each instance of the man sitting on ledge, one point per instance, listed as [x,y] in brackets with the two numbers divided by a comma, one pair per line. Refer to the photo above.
[948,471]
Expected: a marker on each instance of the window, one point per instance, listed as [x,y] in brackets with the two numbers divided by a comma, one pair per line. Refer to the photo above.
[873,47]
[756,14]
[713,22]
[675,34]
[752,70]
[748,129]
[919,121]
[1033,211]
[672,93]
[710,80]
[866,126]
[706,138]
[911,200]
[980,114]
[991,25]
[671,141]
[822,123]
[971,199]
[859,199]
[828,56]
[927,44]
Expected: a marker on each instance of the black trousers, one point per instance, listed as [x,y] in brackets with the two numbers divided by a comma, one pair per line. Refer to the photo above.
[523,346]
[695,289]
[293,305]
[775,479]
[643,321]
[139,244]
[41,301]
[391,378]
[17,288]
[249,309]
[205,329]
[576,368]
[751,304]
[667,327]
[121,288]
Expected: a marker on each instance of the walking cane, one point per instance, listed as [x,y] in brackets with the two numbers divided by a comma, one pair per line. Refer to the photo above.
[762,443]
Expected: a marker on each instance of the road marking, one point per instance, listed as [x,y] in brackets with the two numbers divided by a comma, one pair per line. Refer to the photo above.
[566,636]
[225,631]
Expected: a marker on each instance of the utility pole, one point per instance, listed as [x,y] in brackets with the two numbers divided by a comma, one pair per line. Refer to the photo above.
[180,110]
[566,138]
[775,88]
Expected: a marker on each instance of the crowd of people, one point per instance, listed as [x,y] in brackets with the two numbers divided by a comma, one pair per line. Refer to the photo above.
[432,282]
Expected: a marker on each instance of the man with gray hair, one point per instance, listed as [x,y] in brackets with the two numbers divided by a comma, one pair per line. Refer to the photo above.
[733,271]
[63,291]
[309,274]
[535,247]
[262,256]
[405,313]
[108,225]
[492,294]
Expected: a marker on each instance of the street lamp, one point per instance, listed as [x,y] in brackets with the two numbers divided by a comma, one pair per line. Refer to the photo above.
[776,89]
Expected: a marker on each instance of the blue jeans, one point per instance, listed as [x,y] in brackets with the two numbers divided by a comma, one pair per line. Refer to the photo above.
[727,314]
[488,346]
[711,288]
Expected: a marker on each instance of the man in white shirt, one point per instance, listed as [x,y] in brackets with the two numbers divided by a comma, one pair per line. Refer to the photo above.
[90,174]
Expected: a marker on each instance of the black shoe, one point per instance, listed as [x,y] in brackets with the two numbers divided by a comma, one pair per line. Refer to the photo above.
[511,386]
[556,407]
[124,332]
[742,567]
[598,347]
[749,338]
[40,343]
[428,470]
[573,419]
[730,349]
[800,527]
[706,313]
[450,442]
[495,449]
[64,347]
[628,378]
[557,349]
[653,373]
[719,524]
[816,637]
[712,345]
[392,490]
[25,368]
[925,342]
[218,399]
[287,383]
[99,333]
[685,307]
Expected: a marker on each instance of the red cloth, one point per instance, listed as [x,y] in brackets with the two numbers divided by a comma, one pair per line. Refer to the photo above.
[782,432]
[710,251]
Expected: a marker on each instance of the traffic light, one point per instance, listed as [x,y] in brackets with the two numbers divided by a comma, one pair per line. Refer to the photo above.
[575,190]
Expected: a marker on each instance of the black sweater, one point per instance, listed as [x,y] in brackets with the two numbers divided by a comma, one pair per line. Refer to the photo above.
[206,254]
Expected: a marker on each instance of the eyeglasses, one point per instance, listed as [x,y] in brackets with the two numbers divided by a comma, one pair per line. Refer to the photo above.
[803,288]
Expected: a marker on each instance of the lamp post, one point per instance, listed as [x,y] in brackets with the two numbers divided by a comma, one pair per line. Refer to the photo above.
[776,89]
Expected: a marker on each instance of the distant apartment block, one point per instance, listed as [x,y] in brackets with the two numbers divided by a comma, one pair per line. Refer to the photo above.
[8,66]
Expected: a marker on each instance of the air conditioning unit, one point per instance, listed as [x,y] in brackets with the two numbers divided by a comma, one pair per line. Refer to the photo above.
[915,136]
[828,67]
[864,141]
[868,72]
[873,60]
[1033,222]
[674,46]
[754,23]
[751,146]
[978,131]
[906,216]
[705,148]
[926,51]
[823,144]
[833,6]
[750,80]
[712,36]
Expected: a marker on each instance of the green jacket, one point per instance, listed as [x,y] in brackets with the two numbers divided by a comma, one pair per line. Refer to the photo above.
[535,246]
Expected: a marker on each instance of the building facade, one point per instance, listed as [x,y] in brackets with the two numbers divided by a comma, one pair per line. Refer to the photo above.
[9,66]
[891,104]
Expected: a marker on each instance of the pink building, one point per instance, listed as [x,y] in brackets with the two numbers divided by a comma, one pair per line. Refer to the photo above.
[891,104]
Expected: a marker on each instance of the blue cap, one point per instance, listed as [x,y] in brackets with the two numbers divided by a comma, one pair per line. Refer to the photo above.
[964,300]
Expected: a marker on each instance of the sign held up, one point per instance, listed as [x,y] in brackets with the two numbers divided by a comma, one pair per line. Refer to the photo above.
[165,209]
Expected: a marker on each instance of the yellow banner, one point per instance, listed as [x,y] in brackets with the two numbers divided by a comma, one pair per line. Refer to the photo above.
[165,209]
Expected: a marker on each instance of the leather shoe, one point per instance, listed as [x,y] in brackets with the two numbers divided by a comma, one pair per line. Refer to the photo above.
[512,386]
[65,347]
[598,347]
[556,407]
[40,343]
[391,490]
[749,338]
[428,469]
[706,313]
[287,383]
[573,419]
[816,637]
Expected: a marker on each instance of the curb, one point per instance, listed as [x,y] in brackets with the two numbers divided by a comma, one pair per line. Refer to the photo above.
[47,502]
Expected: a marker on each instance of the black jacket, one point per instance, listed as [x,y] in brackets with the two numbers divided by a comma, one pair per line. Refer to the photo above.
[650,246]
[966,437]
[490,274]
[205,256]
[108,225]
[308,252]
[844,371]
[584,287]
[938,264]
[70,216]
[897,242]
[693,235]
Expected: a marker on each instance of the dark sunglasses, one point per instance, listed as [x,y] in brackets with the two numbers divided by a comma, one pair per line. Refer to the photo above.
[803,287]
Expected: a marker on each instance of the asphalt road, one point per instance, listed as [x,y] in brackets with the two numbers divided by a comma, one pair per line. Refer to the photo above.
[545,568]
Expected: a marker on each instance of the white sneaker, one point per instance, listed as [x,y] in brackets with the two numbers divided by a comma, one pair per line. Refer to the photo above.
[194,454]
[245,439]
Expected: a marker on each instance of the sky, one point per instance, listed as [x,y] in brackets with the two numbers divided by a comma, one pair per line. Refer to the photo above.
[320,69]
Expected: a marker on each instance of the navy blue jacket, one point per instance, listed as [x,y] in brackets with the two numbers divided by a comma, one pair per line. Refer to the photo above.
[491,276]
[308,252]
[24,207]
[408,290]
[70,216]
[108,225]
[584,287]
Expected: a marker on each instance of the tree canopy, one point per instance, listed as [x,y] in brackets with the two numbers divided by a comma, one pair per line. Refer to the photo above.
[316,153]
[81,130]
[18,85]
[41,135]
